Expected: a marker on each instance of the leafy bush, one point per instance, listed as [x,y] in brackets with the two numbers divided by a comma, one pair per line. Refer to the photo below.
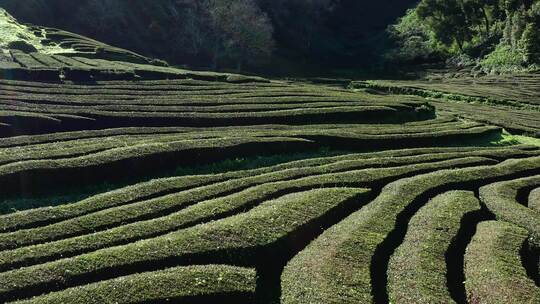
[474,28]
[504,58]
[414,40]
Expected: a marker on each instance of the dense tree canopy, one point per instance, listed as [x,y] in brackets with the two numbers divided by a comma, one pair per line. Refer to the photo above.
[227,33]
[497,32]
[268,35]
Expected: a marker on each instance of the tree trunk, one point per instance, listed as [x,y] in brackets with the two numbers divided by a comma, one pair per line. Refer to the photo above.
[460,44]
[215,56]
[239,65]
[488,24]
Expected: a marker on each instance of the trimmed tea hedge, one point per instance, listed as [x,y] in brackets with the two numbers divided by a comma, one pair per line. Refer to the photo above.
[271,224]
[48,215]
[534,200]
[204,211]
[142,158]
[493,266]
[500,198]
[179,284]
[347,254]
[417,272]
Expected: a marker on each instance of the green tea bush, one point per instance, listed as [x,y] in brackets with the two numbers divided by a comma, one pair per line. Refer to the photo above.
[493,267]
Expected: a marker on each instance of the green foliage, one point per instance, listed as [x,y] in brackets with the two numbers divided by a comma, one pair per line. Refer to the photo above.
[493,99]
[500,199]
[504,34]
[202,283]
[299,32]
[415,40]
[346,254]
[243,31]
[534,200]
[530,43]
[268,228]
[503,58]
[418,269]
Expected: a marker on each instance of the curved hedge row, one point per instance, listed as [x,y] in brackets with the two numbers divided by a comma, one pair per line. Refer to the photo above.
[500,198]
[127,226]
[180,284]
[93,236]
[348,254]
[512,107]
[121,207]
[417,272]
[111,164]
[493,266]
[534,200]
[73,138]
[199,103]
[158,187]
[105,159]
[271,224]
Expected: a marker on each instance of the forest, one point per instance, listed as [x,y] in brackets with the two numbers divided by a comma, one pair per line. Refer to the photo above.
[304,35]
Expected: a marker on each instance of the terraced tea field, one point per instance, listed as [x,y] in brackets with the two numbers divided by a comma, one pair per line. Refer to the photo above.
[197,187]
[388,220]
[512,102]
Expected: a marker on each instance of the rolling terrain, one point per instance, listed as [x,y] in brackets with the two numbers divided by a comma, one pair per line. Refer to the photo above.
[125,180]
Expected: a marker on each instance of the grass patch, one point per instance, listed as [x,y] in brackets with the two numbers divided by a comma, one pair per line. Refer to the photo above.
[509,139]
[12,31]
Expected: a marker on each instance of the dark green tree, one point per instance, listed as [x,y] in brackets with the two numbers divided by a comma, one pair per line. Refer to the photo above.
[530,43]
[447,19]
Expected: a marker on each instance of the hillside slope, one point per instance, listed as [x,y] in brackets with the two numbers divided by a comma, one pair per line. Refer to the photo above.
[122,181]
[32,52]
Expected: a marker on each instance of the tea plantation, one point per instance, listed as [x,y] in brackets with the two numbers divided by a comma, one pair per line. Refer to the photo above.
[124,180]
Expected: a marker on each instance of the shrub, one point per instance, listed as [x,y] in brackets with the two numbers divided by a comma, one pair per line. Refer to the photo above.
[152,223]
[530,44]
[504,58]
[534,200]
[277,223]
